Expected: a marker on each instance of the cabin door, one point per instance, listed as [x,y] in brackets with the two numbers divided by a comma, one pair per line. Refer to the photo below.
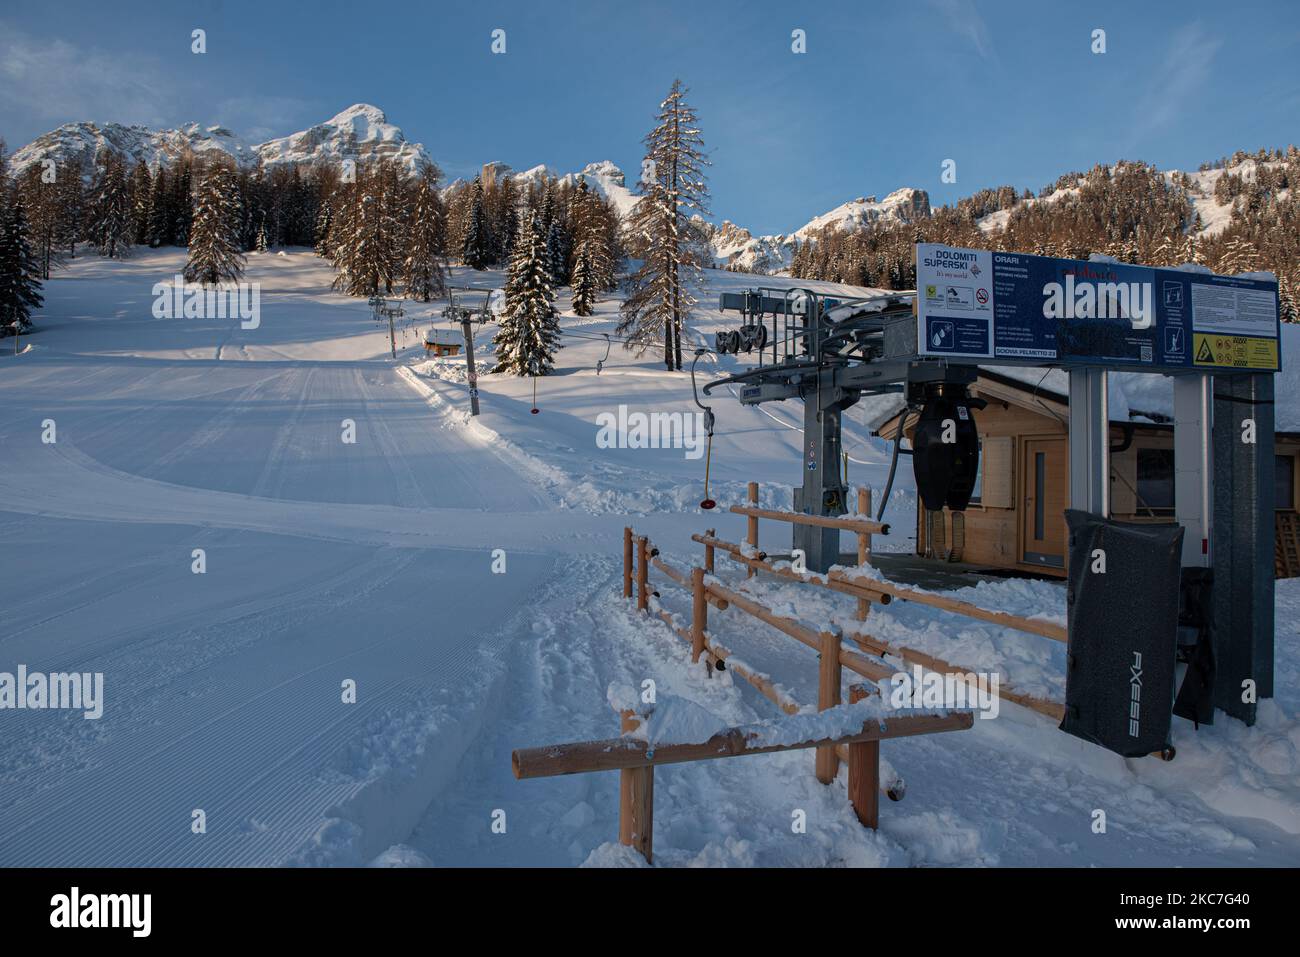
[1046,495]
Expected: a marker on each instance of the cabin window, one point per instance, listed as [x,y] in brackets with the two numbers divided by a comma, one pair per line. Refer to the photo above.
[1284,483]
[1040,495]
[1155,479]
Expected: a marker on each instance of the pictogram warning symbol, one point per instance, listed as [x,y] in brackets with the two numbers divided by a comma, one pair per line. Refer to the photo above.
[1204,354]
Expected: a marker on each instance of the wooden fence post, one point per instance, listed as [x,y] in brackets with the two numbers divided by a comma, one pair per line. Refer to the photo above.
[627,562]
[752,537]
[828,696]
[864,772]
[642,574]
[864,547]
[699,613]
[708,553]
[636,798]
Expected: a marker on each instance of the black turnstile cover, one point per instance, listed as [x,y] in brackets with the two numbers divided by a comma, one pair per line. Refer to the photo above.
[1119,685]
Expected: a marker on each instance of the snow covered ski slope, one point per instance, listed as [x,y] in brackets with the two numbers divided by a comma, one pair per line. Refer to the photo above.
[327,562]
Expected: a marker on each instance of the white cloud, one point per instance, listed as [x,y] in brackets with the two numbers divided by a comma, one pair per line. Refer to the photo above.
[961,17]
[1182,72]
[53,80]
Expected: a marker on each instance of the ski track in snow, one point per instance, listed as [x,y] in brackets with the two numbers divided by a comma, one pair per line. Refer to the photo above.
[371,561]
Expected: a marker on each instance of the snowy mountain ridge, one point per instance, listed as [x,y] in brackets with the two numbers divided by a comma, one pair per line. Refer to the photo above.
[362,131]
[359,133]
[733,246]
[736,248]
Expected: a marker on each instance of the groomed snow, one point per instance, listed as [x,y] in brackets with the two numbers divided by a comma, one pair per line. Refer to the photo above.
[373,561]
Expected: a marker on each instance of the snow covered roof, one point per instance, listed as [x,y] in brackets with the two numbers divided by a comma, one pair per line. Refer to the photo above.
[444,337]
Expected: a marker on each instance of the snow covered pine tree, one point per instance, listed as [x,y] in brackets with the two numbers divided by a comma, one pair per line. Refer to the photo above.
[529,335]
[423,269]
[477,252]
[662,233]
[367,230]
[20,283]
[595,226]
[214,233]
[583,287]
[110,209]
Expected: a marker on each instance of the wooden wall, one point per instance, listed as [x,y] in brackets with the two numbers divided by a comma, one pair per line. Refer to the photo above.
[996,526]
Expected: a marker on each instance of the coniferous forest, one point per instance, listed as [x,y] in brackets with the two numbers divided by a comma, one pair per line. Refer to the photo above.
[388,231]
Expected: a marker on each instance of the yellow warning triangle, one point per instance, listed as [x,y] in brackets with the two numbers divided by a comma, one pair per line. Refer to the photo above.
[1204,354]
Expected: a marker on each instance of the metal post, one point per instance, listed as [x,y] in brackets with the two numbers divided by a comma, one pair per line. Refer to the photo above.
[392,335]
[1089,442]
[468,331]
[1194,465]
[823,492]
[1244,475]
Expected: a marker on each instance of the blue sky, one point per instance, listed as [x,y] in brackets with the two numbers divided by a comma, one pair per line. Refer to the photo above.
[884,94]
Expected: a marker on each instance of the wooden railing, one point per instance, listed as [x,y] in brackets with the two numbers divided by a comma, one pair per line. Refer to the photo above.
[859,730]
[868,590]
[858,746]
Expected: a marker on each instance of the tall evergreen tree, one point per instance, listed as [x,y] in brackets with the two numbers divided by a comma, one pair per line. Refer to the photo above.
[593,226]
[71,190]
[477,251]
[557,253]
[162,221]
[141,198]
[215,250]
[423,268]
[584,283]
[368,226]
[43,203]
[530,334]
[20,271]
[110,209]
[182,204]
[504,221]
[324,223]
[666,237]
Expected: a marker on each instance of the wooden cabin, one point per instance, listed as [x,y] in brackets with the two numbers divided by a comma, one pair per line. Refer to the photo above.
[1016,520]
[443,342]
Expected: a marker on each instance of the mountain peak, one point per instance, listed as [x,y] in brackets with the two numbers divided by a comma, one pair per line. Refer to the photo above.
[361,117]
[357,133]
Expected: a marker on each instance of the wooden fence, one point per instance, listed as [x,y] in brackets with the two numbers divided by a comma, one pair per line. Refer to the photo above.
[857,747]
[635,760]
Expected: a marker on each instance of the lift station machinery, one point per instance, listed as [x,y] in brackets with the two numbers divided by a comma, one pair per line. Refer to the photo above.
[1217,337]
[831,351]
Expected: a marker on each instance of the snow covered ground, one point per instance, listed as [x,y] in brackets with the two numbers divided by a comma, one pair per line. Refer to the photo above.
[373,561]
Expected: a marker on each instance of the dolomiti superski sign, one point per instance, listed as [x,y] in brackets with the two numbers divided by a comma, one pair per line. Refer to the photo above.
[980,304]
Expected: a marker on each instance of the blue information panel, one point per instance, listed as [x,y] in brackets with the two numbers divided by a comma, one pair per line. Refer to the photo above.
[981,304]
